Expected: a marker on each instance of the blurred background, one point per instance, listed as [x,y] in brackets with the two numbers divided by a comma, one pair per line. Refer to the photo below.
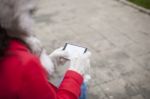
[117,32]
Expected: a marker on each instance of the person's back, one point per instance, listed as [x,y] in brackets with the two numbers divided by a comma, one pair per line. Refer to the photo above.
[9,72]
[12,67]
[25,65]
[23,77]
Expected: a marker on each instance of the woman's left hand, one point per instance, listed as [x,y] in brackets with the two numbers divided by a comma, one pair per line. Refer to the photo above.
[59,57]
[56,58]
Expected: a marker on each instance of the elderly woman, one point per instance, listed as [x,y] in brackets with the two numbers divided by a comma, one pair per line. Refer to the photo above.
[25,66]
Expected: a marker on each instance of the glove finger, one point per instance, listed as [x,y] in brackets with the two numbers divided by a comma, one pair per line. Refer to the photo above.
[59,53]
[59,49]
[63,54]
[87,54]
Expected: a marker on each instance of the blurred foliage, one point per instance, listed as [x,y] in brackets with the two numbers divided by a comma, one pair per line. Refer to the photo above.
[143,3]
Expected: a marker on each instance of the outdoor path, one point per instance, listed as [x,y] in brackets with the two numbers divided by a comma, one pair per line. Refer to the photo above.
[117,35]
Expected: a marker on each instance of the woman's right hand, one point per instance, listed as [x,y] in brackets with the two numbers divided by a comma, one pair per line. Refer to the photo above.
[80,63]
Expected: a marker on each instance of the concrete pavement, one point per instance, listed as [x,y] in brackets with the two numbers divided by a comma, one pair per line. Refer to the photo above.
[117,35]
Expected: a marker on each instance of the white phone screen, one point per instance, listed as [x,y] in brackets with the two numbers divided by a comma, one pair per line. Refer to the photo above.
[74,50]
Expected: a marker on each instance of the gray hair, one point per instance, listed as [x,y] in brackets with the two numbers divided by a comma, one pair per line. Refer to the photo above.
[14,14]
[17,21]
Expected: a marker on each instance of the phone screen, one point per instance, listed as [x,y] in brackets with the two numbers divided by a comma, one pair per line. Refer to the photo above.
[74,50]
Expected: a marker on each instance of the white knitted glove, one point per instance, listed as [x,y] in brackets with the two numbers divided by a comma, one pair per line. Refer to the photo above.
[54,59]
[80,63]
[59,57]
[46,62]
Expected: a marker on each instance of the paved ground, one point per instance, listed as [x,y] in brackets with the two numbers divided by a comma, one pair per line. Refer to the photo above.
[117,35]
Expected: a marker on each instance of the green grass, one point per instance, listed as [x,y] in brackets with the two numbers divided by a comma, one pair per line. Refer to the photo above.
[143,3]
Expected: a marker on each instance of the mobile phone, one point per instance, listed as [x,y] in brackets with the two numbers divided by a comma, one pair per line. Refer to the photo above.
[74,50]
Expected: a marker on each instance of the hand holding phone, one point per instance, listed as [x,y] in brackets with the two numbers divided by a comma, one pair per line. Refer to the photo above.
[79,60]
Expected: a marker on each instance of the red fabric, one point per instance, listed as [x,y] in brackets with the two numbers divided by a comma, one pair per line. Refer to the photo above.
[23,77]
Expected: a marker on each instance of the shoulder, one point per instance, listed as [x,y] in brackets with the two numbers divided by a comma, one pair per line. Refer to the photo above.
[20,52]
[19,57]
[23,63]
[20,61]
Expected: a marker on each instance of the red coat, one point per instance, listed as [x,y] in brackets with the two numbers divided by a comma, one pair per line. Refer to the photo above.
[23,77]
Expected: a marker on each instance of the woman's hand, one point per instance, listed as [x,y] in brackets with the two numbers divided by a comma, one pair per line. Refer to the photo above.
[59,57]
[56,58]
[81,63]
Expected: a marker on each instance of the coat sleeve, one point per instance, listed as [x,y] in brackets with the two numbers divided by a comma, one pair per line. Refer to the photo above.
[34,84]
